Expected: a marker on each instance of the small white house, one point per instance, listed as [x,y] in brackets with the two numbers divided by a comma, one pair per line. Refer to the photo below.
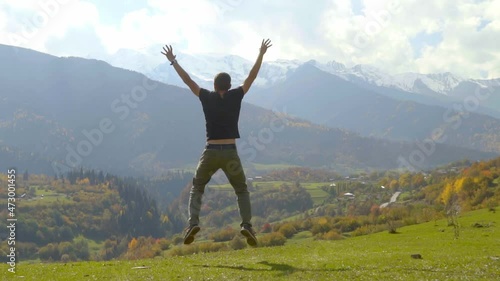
[348,195]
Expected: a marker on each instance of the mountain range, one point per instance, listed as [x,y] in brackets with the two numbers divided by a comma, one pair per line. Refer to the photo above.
[59,113]
[434,89]
[325,99]
[362,98]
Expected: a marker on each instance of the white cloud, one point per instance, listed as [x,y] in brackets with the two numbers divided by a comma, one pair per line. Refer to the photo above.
[370,38]
[382,35]
[131,33]
[323,30]
[33,23]
[74,15]
[27,4]
[3,20]
[465,50]
[173,22]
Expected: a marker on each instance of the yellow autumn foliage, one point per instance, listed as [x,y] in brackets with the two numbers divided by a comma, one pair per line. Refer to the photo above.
[448,192]
[132,244]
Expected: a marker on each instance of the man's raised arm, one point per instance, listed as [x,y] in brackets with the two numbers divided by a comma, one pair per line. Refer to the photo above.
[256,67]
[168,52]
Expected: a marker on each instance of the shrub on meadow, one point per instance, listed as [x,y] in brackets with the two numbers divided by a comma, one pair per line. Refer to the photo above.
[266,228]
[347,225]
[298,225]
[272,239]
[65,248]
[226,234]
[197,248]
[164,244]
[276,227]
[330,235]
[321,225]
[176,251]
[409,221]
[237,243]
[306,224]
[178,240]
[368,229]
[143,248]
[212,247]
[287,229]
[65,258]
[49,252]
[363,230]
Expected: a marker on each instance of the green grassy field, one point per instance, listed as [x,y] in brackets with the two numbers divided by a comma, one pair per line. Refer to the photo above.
[43,195]
[475,255]
[318,195]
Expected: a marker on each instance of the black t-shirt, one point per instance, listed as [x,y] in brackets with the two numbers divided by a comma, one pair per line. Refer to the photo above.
[221,114]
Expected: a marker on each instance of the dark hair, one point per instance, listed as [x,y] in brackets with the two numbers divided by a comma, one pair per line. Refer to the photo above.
[222,81]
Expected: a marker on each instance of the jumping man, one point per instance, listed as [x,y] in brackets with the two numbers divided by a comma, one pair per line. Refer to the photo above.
[222,110]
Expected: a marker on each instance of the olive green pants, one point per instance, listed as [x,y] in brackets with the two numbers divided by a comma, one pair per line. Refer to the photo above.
[210,162]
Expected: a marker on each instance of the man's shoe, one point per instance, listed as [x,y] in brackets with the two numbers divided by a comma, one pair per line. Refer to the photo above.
[248,232]
[190,233]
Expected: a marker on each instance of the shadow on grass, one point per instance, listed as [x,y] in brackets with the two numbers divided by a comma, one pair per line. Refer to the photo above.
[282,269]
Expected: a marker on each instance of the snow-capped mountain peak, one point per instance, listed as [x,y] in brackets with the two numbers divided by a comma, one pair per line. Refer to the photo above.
[372,75]
[203,68]
[442,83]
[335,65]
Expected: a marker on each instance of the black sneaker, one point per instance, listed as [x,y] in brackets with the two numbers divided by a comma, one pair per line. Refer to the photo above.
[190,233]
[248,232]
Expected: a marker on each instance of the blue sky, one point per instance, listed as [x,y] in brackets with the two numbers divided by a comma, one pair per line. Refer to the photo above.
[397,36]
[424,39]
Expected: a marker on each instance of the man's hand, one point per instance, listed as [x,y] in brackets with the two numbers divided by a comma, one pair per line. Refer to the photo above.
[265,44]
[255,69]
[168,52]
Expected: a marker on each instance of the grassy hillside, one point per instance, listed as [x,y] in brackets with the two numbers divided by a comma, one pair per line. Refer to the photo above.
[475,255]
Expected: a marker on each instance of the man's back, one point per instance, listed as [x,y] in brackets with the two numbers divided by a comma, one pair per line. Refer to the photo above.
[221,113]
